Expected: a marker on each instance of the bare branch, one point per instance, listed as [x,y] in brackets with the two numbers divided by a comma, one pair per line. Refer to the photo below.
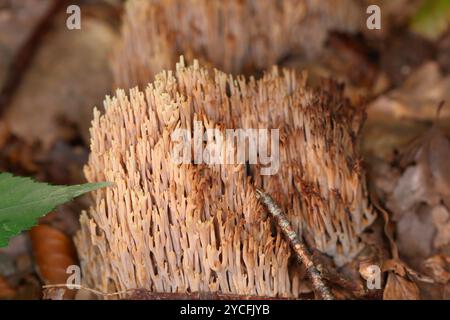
[300,249]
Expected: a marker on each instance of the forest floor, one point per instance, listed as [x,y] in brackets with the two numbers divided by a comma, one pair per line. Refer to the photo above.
[403,78]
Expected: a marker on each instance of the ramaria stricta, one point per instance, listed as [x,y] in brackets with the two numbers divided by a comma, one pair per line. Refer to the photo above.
[170,227]
[236,36]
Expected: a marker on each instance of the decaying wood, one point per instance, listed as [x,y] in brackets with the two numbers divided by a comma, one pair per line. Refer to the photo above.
[300,249]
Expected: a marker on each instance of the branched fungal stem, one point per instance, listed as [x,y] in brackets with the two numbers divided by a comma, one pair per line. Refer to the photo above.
[161,208]
[300,249]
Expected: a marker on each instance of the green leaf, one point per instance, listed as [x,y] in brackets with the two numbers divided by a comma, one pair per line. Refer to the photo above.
[432,18]
[23,201]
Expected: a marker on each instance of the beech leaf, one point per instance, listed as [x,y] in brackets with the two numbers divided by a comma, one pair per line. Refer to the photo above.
[23,201]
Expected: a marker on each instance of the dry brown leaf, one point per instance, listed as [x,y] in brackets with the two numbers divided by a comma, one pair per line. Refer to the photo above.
[30,289]
[76,78]
[344,280]
[6,291]
[346,59]
[18,21]
[54,293]
[443,54]
[421,198]
[384,135]
[399,288]
[417,200]
[395,266]
[415,233]
[400,268]
[446,295]
[438,267]
[433,151]
[54,252]
[441,219]
[16,155]
[418,97]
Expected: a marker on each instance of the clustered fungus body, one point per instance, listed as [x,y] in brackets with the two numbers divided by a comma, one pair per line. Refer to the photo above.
[236,36]
[171,227]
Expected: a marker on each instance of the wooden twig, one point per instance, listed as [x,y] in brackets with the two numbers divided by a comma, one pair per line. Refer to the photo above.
[300,249]
[80,287]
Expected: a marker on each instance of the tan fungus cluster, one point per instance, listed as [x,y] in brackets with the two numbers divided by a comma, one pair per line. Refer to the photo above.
[171,227]
[236,36]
